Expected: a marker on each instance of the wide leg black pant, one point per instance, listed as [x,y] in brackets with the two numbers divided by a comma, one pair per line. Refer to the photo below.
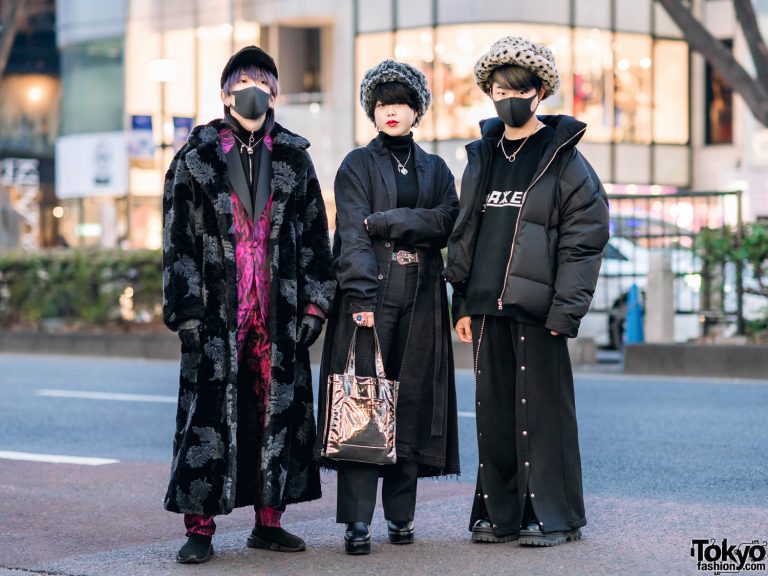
[357,483]
[527,435]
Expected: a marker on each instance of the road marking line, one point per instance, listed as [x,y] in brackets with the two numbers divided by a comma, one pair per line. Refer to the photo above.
[466,414]
[108,396]
[56,458]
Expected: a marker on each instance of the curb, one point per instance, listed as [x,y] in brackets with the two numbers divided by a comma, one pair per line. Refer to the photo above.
[709,360]
[160,346]
[165,346]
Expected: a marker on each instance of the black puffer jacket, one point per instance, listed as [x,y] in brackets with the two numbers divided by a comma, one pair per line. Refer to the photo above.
[562,229]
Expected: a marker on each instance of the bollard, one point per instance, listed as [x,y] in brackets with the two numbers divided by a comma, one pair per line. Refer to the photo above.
[659,299]
[633,323]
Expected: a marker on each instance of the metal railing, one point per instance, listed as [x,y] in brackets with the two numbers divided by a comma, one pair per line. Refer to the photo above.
[645,223]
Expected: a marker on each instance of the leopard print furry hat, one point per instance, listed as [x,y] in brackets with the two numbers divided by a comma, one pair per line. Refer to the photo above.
[518,52]
[392,71]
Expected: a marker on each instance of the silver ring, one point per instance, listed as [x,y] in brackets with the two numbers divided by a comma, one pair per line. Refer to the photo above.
[359,319]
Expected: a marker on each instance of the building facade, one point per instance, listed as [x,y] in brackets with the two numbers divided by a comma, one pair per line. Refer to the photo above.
[137,74]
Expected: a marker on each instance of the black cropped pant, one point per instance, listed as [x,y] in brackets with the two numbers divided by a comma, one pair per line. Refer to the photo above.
[357,483]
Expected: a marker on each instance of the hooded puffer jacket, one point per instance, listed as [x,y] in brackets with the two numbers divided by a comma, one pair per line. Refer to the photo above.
[561,230]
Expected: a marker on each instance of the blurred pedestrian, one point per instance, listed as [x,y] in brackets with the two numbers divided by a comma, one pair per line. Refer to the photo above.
[395,207]
[523,260]
[247,284]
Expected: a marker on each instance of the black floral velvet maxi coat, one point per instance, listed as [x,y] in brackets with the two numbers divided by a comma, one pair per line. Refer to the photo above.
[211,470]
[365,187]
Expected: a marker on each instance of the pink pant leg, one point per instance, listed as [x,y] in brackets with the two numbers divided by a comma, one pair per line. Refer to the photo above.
[197,524]
[268,517]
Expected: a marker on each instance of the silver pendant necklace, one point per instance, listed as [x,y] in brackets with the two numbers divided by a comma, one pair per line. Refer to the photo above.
[251,144]
[401,165]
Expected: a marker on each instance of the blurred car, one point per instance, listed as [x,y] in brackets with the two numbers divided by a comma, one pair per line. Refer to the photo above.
[626,263]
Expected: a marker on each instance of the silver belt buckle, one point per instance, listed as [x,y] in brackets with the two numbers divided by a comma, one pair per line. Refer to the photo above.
[402,257]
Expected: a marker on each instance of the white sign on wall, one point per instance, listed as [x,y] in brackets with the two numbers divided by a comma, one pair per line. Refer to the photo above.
[89,165]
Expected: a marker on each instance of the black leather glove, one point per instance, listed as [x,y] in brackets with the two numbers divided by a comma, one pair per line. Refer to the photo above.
[309,330]
[190,339]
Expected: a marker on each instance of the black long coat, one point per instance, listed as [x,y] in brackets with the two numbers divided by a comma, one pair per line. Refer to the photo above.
[365,187]
[213,467]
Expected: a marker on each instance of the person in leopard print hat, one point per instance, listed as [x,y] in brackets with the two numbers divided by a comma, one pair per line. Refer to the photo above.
[523,260]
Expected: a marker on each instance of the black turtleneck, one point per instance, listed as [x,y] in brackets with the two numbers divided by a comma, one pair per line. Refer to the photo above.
[401,148]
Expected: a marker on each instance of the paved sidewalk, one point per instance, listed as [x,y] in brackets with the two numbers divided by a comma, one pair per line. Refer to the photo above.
[637,536]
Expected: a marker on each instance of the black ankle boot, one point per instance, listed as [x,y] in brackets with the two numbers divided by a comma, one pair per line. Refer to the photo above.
[400,531]
[197,550]
[357,538]
[275,539]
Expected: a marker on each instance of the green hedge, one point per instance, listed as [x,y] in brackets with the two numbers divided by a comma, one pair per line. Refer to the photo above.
[84,288]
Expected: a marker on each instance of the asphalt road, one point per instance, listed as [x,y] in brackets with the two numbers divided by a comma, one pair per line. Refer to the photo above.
[665,461]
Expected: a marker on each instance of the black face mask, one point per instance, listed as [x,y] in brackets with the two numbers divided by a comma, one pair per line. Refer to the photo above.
[514,111]
[251,103]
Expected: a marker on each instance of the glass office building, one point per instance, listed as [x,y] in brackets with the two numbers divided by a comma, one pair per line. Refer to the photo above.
[138,73]
[624,71]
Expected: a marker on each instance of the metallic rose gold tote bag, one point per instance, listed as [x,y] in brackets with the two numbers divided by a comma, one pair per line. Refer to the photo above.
[360,419]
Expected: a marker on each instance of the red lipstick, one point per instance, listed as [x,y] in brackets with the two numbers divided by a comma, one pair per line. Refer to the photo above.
[392,123]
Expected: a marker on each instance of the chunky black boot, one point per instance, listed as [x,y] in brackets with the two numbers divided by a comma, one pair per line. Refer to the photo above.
[482,531]
[532,535]
[197,550]
[357,538]
[400,531]
[275,539]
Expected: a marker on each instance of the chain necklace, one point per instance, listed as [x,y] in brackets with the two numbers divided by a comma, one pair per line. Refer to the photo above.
[512,157]
[251,144]
[401,165]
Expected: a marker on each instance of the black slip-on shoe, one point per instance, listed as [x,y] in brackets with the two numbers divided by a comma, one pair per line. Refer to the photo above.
[482,531]
[532,535]
[400,531]
[357,538]
[275,539]
[198,549]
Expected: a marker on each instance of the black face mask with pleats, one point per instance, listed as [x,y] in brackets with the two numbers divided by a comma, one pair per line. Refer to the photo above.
[514,112]
[251,103]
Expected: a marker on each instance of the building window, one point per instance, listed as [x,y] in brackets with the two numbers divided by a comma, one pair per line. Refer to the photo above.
[632,88]
[670,92]
[92,74]
[592,83]
[300,48]
[607,79]
[415,47]
[370,50]
[719,122]
[462,105]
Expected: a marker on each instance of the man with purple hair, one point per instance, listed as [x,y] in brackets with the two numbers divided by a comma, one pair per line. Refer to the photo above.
[247,284]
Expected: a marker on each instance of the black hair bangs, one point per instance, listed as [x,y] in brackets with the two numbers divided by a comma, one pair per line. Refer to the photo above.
[394,93]
[513,77]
